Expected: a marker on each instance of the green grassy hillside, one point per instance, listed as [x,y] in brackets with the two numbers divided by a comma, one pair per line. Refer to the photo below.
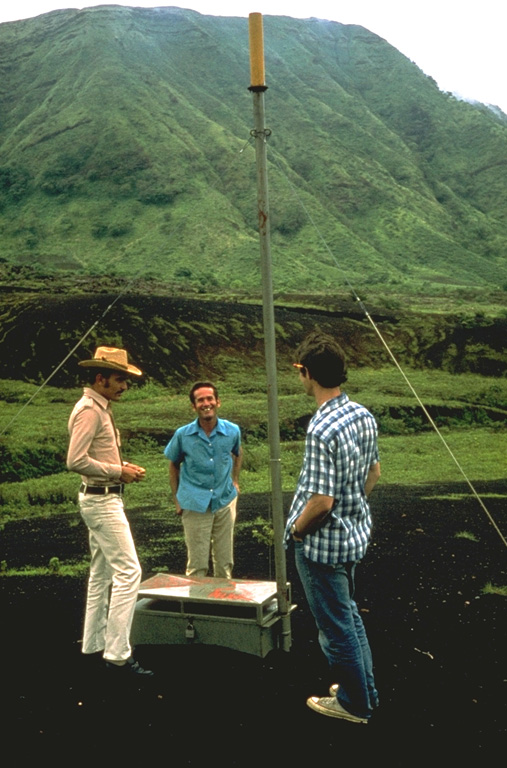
[120,154]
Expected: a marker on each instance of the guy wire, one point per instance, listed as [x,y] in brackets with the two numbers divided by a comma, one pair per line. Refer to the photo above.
[55,370]
[356,298]
[390,352]
[104,313]
[90,329]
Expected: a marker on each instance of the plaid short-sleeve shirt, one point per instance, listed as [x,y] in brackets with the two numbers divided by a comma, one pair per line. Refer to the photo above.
[340,449]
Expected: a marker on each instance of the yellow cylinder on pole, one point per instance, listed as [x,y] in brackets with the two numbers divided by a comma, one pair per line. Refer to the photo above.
[256,37]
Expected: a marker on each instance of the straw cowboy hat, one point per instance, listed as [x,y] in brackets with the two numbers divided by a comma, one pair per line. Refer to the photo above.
[111,359]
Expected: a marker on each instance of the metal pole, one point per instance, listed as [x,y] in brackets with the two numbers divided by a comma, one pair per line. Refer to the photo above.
[260,134]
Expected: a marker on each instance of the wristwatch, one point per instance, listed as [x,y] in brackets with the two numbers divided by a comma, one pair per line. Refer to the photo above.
[293,531]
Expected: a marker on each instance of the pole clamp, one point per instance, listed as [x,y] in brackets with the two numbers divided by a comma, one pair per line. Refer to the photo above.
[255,134]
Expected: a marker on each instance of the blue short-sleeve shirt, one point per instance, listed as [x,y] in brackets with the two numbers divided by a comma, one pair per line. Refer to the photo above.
[205,463]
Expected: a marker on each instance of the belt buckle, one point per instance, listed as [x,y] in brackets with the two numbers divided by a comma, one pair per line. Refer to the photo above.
[118,489]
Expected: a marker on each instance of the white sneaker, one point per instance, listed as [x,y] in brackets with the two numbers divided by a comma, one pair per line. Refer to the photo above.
[332,708]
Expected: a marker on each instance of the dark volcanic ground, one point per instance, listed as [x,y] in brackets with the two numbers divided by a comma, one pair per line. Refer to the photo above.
[438,643]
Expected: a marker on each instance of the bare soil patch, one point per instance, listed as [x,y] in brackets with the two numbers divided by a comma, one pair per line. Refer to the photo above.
[438,643]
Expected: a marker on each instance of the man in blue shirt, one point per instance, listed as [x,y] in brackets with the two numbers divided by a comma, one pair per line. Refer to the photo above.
[330,523]
[204,465]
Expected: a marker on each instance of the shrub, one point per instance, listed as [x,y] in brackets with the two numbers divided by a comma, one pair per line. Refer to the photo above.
[14,182]
[25,463]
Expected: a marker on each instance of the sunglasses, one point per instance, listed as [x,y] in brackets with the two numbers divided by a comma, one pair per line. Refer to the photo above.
[300,368]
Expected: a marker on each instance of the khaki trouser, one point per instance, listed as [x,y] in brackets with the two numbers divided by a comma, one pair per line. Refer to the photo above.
[115,574]
[210,530]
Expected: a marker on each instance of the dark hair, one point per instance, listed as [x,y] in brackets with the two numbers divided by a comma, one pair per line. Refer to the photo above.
[198,385]
[324,359]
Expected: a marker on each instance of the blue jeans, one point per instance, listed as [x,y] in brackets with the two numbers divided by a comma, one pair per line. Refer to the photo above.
[329,590]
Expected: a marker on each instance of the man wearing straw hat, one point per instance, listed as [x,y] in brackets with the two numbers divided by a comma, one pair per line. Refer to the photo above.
[95,453]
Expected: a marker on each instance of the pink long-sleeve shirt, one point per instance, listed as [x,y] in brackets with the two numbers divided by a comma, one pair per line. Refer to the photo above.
[94,447]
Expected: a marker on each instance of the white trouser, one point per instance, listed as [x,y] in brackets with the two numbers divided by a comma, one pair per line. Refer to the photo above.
[210,529]
[114,564]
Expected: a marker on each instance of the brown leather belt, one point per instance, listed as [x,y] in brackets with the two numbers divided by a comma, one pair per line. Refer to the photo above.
[102,490]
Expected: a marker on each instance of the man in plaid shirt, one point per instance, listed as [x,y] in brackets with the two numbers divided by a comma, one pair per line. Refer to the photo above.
[330,524]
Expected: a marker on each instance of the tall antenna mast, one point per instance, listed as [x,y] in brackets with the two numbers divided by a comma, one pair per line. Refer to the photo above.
[260,134]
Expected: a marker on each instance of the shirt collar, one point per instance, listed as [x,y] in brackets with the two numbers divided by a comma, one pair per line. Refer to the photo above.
[335,402]
[102,401]
[196,427]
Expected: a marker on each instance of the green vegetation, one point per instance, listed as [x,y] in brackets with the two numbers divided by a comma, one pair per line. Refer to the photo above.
[174,339]
[53,568]
[149,415]
[121,174]
[262,531]
[492,589]
[466,535]
[120,156]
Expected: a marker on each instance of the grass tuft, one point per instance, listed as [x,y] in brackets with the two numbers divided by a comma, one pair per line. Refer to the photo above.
[493,589]
[466,535]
